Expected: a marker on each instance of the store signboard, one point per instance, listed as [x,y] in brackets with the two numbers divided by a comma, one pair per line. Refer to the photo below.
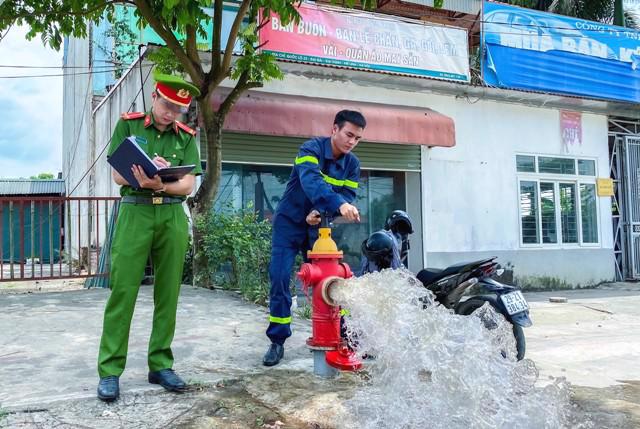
[336,37]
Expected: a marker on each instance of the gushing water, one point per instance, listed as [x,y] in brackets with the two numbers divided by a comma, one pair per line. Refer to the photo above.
[435,369]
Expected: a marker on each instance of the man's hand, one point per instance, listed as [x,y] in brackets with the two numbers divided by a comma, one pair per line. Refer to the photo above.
[350,212]
[161,162]
[313,218]
[154,183]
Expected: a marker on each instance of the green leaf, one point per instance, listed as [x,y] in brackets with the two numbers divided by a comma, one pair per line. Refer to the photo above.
[170,4]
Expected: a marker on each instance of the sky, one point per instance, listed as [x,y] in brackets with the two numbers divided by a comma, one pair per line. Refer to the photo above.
[30,108]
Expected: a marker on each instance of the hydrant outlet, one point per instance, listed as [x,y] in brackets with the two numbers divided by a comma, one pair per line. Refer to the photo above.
[309,274]
[327,287]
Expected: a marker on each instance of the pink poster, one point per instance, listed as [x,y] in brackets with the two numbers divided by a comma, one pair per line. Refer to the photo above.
[571,127]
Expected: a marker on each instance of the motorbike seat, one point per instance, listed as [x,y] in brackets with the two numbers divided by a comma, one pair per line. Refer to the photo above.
[430,275]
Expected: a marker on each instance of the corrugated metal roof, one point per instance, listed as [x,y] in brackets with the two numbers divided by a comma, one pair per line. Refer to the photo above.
[465,6]
[31,187]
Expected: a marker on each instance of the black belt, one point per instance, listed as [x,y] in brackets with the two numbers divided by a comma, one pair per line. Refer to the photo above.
[133,199]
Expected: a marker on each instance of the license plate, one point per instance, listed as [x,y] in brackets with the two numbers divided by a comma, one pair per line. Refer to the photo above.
[514,302]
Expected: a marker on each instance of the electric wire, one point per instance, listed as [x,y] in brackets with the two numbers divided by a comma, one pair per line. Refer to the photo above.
[68,74]
[106,145]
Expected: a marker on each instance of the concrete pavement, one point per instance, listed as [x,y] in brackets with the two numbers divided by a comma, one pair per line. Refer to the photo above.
[592,340]
[49,342]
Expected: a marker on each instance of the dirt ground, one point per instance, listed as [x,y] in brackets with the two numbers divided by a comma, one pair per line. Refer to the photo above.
[39,286]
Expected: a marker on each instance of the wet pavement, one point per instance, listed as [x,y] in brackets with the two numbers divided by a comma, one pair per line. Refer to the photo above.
[49,342]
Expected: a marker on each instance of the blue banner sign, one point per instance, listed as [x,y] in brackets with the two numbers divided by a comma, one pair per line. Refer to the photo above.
[532,50]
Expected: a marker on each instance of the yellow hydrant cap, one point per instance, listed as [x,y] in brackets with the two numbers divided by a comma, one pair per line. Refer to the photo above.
[325,244]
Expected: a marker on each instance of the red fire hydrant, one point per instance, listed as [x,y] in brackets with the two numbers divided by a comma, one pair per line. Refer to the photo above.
[326,271]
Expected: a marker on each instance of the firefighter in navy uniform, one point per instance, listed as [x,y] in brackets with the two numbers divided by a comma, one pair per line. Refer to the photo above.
[324,180]
[151,221]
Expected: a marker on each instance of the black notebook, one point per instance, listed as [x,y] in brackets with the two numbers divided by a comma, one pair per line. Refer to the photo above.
[129,153]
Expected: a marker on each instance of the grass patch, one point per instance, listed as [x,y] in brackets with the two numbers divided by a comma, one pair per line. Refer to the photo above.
[304,311]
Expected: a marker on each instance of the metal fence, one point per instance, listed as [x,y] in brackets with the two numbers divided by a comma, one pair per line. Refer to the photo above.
[45,238]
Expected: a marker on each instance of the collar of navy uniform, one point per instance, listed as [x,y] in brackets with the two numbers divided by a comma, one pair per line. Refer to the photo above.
[328,153]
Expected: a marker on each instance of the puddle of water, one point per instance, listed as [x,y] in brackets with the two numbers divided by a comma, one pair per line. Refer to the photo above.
[435,369]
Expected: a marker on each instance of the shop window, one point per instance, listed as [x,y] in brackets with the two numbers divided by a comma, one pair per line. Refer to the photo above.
[526,163]
[378,195]
[229,197]
[569,216]
[556,165]
[586,167]
[554,210]
[529,212]
[589,213]
[548,212]
[261,187]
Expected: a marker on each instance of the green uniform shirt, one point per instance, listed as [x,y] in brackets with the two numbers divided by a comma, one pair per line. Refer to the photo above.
[175,144]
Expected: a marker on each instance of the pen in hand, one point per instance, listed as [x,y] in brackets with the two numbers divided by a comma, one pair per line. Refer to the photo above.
[160,161]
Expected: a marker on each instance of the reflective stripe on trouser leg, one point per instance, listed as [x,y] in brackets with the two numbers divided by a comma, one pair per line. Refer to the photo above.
[282,260]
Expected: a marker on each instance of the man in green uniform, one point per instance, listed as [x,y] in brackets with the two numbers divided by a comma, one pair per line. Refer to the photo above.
[151,221]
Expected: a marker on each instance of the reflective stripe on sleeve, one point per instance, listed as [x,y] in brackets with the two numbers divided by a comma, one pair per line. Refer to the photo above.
[307,158]
[350,184]
[338,182]
[330,180]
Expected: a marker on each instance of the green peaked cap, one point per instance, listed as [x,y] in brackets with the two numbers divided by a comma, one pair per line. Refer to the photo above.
[176,82]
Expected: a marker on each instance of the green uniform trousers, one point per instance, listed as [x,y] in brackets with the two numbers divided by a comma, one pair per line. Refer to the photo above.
[142,230]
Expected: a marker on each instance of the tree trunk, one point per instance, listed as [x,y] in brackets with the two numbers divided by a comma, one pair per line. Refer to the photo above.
[618,13]
[203,201]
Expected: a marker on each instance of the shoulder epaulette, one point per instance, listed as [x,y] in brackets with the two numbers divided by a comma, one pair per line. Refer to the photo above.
[185,128]
[133,115]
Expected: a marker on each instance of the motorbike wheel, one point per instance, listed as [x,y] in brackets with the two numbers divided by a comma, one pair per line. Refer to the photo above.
[467,307]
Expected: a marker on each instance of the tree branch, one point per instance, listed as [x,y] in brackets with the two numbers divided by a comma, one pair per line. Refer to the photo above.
[217,36]
[233,34]
[263,23]
[242,85]
[191,43]
[194,69]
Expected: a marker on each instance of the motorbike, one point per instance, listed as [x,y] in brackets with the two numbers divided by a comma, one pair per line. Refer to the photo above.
[388,248]
[450,284]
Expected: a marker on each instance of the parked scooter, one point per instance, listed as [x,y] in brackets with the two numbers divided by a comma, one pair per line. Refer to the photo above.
[450,284]
[383,249]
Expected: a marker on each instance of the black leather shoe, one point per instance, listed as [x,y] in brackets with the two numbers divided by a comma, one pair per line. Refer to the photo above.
[168,379]
[109,388]
[273,355]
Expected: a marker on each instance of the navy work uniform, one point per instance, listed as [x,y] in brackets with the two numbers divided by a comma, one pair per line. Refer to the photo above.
[320,182]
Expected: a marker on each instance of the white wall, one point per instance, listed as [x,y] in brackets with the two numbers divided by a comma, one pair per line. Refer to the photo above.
[76,125]
[124,97]
[470,191]
[86,135]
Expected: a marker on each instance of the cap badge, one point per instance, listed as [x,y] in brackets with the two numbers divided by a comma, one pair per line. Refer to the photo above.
[183,93]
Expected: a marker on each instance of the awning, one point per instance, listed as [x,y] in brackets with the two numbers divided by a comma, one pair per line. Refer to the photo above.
[294,116]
